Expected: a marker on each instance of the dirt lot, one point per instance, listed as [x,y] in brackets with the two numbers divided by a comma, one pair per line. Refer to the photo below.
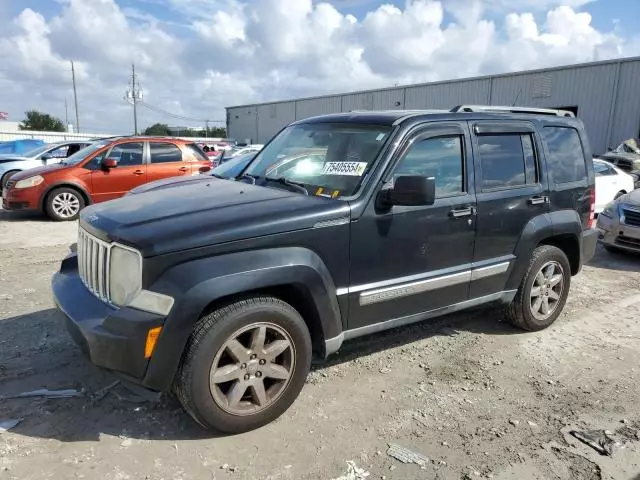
[477,397]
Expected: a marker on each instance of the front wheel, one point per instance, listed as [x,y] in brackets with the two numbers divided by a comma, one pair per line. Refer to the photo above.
[64,204]
[244,365]
[543,291]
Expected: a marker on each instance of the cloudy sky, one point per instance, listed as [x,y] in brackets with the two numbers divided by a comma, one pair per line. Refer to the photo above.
[194,57]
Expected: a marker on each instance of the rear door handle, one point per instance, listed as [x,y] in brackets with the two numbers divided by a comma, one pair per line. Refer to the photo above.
[138,172]
[183,169]
[462,212]
[538,200]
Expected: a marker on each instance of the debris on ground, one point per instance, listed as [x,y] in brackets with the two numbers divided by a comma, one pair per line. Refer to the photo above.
[405,455]
[68,393]
[599,440]
[100,394]
[353,472]
[6,425]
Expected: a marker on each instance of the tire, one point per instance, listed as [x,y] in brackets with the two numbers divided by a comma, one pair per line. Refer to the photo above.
[521,311]
[7,176]
[64,204]
[211,345]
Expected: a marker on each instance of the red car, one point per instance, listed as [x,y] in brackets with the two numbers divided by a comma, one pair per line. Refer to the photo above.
[103,171]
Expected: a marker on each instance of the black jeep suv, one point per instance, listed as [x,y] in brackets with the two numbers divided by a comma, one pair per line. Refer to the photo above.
[343,225]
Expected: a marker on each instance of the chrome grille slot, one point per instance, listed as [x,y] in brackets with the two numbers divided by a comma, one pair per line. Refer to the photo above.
[631,217]
[93,264]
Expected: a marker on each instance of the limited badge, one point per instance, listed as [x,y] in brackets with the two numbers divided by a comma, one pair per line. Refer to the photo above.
[353,169]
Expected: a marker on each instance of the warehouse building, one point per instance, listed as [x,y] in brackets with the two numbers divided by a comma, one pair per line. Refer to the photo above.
[605,95]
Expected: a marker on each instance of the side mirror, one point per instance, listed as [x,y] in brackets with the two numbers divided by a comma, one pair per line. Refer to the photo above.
[204,169]
[109,163]
[411,191]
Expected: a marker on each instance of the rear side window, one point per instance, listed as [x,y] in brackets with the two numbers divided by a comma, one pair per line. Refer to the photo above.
[508,160]
[196,153]
[566,157]
[165,153]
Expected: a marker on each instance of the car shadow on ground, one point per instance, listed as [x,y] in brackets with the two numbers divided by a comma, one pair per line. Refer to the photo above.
[621,261]
[18,216]
[36,353]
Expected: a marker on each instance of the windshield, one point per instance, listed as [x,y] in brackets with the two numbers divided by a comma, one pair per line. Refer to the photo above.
[83,153]
[331,158]
[34,152]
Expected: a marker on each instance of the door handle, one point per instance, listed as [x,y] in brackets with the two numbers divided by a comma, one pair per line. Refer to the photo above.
[538,200]
[462,212]
[183,169]
[139,172]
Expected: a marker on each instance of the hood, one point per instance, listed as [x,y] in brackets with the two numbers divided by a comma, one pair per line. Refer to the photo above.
[169,183]
[202,213]
[632,198]
[38,171]
[12,158]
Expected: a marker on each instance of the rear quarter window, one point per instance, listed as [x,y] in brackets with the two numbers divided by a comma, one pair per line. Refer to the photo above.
[566,154]
[194,153]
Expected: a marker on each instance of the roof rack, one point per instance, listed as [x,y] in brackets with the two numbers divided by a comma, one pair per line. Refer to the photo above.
[511,109]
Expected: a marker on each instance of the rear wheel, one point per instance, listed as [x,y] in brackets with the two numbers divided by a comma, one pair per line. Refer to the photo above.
[245,364]
[543,291]
[64,204]
[7,176]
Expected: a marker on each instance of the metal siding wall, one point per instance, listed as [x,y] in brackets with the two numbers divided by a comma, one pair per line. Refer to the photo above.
[626,116]
[448,95]
[588,88]
[317,106]
[272,117]
[242,124]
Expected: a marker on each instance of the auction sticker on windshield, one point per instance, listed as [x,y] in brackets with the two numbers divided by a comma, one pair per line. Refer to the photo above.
[354,169]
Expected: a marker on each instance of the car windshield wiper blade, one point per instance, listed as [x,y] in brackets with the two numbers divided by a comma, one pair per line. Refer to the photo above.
[247,176]
[290,183]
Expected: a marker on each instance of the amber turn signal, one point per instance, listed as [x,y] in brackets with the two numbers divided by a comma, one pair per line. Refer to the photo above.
[152,339]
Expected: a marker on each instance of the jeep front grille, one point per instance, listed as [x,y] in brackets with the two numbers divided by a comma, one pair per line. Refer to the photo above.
[631,217]
[93,264]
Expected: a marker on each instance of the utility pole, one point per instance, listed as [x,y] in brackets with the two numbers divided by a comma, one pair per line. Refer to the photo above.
[133,95]
[75,97]
[206,132]
[66,115]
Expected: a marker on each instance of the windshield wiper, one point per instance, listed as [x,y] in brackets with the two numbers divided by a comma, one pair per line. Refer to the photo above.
[290,183]
[247,176]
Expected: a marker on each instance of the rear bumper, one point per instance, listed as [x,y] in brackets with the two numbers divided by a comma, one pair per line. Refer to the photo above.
[112,338]
[589,244]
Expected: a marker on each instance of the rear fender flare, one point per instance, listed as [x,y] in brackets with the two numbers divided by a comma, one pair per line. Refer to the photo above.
[535,232]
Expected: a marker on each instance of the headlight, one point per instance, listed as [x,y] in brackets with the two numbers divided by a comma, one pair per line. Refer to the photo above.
[610,211]
[125,275]
[29,182]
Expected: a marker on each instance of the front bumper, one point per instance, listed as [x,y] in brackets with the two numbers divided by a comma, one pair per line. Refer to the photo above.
[615,234]
[112,338]
[21,199]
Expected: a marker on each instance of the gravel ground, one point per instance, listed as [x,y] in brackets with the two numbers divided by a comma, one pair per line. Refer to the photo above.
[478,398]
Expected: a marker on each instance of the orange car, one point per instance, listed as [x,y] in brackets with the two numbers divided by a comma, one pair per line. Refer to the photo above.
[105,170]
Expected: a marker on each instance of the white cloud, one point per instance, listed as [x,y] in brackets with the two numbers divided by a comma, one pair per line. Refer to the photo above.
[208,54]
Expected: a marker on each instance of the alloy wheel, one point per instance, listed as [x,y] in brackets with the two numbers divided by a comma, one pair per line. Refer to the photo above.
[252,369]
[546,290]
[65,205]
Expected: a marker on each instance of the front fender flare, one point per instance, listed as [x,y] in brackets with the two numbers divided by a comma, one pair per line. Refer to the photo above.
[197,283]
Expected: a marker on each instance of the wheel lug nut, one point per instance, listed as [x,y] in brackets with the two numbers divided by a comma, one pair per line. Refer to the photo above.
[262,361]
[243,366]
[258,374]
[247,376]
[253,356]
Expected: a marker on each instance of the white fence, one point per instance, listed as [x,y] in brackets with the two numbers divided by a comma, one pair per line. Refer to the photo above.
[48,137]
[51,137]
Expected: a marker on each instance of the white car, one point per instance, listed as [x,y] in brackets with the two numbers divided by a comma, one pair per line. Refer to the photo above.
[611,182]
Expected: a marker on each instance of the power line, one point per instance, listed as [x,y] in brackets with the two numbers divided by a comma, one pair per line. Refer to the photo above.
[176,116]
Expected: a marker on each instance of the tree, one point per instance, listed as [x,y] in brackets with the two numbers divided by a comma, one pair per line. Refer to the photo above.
[42,122]
[158,129]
